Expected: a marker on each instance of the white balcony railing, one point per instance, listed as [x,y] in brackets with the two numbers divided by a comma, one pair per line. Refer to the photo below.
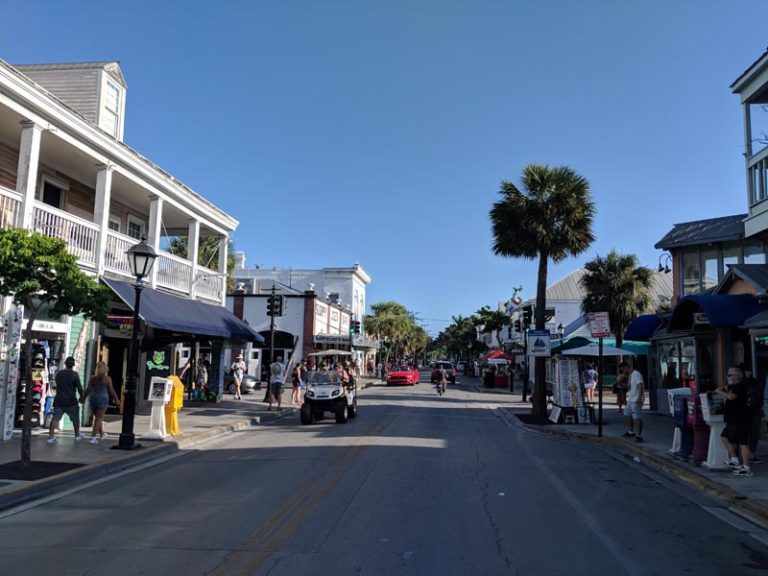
[80,235]
[210,284]
[115,258]
[174,272]
[10,205]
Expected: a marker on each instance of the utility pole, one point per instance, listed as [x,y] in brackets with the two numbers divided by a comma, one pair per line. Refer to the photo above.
[272,326]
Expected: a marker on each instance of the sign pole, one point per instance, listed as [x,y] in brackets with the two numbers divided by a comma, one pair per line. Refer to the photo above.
[600,388]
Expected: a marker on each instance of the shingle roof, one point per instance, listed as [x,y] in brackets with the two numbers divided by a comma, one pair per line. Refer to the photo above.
[752,67]
[704,232]
[755,274]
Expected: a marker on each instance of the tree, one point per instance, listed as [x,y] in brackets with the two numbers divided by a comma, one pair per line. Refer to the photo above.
[492,321]
[617,285]
[460,338]
[550,218]
[39,273]
[393,323]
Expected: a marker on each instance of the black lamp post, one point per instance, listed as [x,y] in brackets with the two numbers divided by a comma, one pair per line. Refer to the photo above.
[141,257]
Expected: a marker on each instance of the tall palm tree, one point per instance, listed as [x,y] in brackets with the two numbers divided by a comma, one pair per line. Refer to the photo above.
[550,218]
[617,285]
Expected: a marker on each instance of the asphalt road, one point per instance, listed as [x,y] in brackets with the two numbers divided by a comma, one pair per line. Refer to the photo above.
[417,484]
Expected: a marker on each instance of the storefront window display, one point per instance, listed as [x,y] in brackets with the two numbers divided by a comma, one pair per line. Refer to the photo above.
[687,363]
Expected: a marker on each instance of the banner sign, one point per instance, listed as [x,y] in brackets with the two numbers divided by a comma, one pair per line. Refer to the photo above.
[599,324]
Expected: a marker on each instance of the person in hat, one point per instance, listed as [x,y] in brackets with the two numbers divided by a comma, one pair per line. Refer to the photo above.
[238,372]
[68,387]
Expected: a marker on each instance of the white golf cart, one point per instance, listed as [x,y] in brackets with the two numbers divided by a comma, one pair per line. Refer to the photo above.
[324,392]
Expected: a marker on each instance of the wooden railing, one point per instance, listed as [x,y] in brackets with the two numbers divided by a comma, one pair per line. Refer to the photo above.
[10,205]
[80,235]
[174,272]
[210,285]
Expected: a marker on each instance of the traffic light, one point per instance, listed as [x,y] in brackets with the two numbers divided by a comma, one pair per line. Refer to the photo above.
[278,306]
[527,316]
[271,306]
[354,327]
[518,326]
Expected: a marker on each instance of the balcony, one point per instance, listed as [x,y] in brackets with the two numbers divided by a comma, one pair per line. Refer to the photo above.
[82,237]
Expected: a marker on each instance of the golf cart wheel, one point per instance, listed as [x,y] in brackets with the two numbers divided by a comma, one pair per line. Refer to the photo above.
[306,414]
[342,412]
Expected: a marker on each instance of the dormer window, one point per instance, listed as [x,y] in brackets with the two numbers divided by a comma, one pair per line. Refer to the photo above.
[111,118]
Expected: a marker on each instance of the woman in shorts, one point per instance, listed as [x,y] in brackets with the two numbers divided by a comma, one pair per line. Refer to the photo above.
[100,390]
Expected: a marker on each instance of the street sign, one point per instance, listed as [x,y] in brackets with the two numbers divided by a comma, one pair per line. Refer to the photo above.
[599,324]
[538,343]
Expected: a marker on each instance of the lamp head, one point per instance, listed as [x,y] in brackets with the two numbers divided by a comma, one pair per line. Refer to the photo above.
[141,257]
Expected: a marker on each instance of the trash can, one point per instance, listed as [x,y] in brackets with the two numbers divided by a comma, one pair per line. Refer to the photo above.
[700,430]
[686,431]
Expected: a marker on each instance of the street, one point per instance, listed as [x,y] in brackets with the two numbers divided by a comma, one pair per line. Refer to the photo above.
[417,484]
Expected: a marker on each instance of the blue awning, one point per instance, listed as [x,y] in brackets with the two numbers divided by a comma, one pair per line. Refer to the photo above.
[642,327]
[720,310]
[163,311]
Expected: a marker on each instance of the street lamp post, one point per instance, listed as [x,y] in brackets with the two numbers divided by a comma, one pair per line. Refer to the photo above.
[141,257]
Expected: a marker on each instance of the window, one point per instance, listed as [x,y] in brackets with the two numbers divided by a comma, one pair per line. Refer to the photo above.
[711,273]
[135,228]
[52,191]
[691,273]
[754,253]
[114,224]
[111,119]
[731,255]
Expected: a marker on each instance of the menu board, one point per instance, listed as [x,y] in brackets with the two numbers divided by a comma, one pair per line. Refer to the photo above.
[566,392]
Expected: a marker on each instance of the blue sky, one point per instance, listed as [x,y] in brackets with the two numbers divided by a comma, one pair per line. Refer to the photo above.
[379,131]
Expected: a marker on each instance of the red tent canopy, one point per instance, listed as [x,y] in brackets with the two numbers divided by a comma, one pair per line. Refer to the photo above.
[497,354]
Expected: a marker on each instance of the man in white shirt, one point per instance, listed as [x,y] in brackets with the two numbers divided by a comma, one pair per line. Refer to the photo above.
[276,381]
[635,398]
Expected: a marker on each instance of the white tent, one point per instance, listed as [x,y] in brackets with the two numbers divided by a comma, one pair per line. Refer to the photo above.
[593,349]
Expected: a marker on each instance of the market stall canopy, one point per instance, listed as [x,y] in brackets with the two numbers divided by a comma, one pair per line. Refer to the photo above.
[498,355]
[593,349]
[163,311]
[331,353]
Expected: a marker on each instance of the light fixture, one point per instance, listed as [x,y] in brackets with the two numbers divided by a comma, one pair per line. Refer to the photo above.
[664,261]
[141,257]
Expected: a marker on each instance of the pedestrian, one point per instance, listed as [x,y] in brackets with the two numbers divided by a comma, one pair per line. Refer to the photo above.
[755,401]
[380,371]
[100,390]
[634,408]
[202,379]
[68,387]
[590,381]
[276,382]
[238,371]
[737,419]
[189,378]
[620,388]
[296,382]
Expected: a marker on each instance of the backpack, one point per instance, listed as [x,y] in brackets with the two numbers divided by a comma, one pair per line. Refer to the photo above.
[754,398]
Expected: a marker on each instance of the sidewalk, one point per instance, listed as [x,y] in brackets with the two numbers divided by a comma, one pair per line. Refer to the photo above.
[745,495]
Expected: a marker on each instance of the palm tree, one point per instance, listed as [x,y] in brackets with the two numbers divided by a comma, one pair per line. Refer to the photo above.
[617,285]
[550,218]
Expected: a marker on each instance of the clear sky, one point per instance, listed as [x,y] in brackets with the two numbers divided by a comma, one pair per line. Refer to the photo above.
[378,131]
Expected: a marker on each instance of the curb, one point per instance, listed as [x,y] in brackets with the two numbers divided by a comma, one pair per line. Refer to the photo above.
[735,500]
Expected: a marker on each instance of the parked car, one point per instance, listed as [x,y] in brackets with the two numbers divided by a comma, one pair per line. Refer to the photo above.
[450,373]
[403,376]
[249,384]
[460,366]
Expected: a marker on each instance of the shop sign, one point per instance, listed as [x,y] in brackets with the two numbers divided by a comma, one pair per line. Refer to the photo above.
[700,318]
[122,324]
[330,339]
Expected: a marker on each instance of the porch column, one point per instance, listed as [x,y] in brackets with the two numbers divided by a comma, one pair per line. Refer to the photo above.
[223,257]
[752,197]
[153,232]
[101,212]
[193,252]
[26,179]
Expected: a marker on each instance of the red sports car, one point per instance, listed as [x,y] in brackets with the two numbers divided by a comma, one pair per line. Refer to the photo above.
[403,376]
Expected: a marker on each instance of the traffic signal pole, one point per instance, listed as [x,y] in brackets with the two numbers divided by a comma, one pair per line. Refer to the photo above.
[272,326]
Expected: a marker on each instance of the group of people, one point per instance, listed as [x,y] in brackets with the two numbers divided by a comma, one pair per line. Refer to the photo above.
[70,394]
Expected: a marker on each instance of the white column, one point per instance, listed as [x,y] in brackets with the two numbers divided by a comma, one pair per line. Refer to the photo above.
[26,179]
[193,251]
[223,257]
[101,212]
[153,233]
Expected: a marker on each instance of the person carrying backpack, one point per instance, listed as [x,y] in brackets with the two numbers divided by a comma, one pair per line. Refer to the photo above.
[276,381]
